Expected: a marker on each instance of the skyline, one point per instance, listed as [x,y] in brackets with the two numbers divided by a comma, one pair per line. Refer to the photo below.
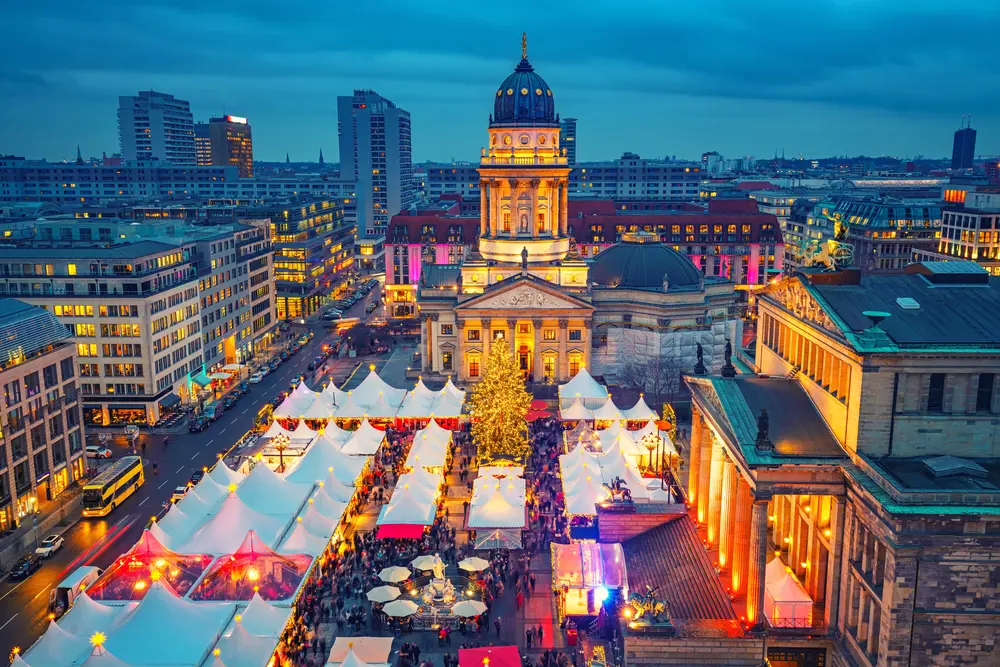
[896,81]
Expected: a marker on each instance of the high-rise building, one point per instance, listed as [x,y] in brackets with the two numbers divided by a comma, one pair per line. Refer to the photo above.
[375,153]
[202,145]
[231,144]
[40,411]
[568,133]
[156,126]
[964,148]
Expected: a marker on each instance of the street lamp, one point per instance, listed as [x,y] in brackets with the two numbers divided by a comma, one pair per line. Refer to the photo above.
[650,441]
[281,442]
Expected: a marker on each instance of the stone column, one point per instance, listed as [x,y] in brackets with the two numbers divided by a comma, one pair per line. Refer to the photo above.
[429,363]
[538,365]
[562,363]
[483,212]
[533,216]
[705,475]
[564,210]
[459,363]
[835,541]
[741,536]
[727,521]
[515,193]
[694,455]
[495,202]
[758,562]
[715,493]
[487,334]
[512,332]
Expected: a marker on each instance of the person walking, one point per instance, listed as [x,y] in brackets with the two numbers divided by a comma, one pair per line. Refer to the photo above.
[528,635]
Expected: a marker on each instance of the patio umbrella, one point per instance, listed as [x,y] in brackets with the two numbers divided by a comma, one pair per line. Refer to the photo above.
[400,608]
[394,574]
[539,404]
[534,415]
[383,594]
[468,608]
[473,564]
[424,563]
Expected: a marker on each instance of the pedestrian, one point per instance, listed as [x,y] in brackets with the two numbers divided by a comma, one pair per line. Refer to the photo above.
[528,634]
[496,624]
[540,634]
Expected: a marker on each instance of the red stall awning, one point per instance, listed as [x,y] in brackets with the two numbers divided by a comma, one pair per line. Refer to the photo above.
[400,530]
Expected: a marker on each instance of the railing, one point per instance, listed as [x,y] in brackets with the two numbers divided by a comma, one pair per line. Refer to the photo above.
[530,160]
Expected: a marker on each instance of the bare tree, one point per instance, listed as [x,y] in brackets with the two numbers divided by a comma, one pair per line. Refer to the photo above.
[650,366]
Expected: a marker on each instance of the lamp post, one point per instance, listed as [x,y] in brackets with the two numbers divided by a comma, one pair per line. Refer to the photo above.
[649,441]
[280,444]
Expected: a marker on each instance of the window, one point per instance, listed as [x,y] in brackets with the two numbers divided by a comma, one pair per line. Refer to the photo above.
[524,328]
[549,334]
[71,269]
[984,395]
[550,366]
[447,329]
[574,365]
[50,376]
[575,334]
[446,360]
[473,334]
[935,393]
[66,368]
[473,367]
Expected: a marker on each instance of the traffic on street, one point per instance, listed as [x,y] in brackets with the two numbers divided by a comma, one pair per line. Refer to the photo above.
[169,461]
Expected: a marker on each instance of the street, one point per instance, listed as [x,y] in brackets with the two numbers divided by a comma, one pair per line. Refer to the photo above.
[24,604]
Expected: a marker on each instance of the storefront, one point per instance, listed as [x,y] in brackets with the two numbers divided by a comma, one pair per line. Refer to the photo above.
[93,415]
[127,414]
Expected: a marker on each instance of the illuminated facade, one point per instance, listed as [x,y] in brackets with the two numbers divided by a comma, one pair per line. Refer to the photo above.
[231,144]
[42,432]
[202,145]
[970,230]
[313,252]
[887,235]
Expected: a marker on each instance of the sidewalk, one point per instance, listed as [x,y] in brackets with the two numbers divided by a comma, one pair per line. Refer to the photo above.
[62,512]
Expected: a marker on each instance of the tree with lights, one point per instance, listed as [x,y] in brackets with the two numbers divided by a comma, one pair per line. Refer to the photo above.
[499,405]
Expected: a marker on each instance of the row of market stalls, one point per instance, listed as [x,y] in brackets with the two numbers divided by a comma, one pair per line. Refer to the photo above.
[497,511]
[584,398]
[373,399]
[215,580]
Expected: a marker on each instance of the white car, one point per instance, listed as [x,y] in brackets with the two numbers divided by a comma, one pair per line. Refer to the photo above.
[179,493]
[255,378]
[98,452]
[49,546]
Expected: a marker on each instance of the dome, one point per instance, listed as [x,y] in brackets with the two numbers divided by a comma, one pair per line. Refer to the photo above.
[524,99]
[640,261]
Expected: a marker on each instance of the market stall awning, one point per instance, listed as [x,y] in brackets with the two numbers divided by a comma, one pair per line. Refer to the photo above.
[201,379]
[373,650]
[583,386]
[400,531]
[219,376]
[170,400]
[490,656]
[232,368]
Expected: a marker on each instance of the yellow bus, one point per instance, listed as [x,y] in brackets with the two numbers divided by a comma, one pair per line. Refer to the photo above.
[110,488]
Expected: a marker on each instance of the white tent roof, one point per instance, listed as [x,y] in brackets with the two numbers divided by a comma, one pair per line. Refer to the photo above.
[57,646]
[224,532]
[316,522]
[382,407]
[785,599]
[335,393]
[349,408]
[175,527]
[224,475]
[449,401]
[260,617]
[266,492]
[327,506]
[409,506]
[430,447]
[418,402]
[201,501]
[167,630]
[296,403]
[418,478]
[367,393]
[335,489]
[373,650]
[640,411]
[276,429]
[322,407]
[614,463]
[346,470]
[88,616]
[495,509]
[319,457]
[583,385]
[575,410]
[608,411]
[301,541]
[335,434]
[302,432]
[106,659]
[583,494]
[651,427]
[242,649]
[365,441]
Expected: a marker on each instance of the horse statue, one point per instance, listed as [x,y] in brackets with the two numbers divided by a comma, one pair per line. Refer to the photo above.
[619,491]
[647,604]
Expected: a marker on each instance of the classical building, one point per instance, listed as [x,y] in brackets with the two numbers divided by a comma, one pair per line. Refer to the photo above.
[865,457]
[524,282]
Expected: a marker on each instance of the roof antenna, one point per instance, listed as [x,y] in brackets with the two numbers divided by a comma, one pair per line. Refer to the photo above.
[524,46]
[962,124]
[970,121]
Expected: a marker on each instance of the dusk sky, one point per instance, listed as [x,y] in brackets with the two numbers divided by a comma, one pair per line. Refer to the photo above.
[816,77]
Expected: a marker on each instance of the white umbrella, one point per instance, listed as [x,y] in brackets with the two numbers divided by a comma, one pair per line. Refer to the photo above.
[425,563]
[400,608]
[473,564]
[394,574]
[383,594]
[468,608]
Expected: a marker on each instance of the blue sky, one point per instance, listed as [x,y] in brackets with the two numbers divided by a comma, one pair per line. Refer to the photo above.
[656,77]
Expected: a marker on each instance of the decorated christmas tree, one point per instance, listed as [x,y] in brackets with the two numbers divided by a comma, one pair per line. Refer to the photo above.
[499,404]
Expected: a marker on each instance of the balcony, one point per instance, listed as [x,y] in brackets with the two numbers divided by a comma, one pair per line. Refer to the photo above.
[528,160]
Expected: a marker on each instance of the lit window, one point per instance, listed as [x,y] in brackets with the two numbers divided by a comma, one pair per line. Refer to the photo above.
[71,269]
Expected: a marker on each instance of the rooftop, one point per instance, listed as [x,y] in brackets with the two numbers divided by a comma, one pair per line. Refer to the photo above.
[944,473]
[796,428]
[26,330]
[130,251]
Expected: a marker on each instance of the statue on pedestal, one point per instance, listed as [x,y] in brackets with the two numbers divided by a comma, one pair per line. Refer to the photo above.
[699,367]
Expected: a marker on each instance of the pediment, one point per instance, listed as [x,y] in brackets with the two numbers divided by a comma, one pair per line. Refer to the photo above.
[525,295]
[796,298]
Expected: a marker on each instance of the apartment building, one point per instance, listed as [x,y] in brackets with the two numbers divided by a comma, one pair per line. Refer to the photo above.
[156,126]
[41,433]
[970,231]
[135,315]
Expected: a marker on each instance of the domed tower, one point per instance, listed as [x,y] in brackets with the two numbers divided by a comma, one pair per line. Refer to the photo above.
[524,174]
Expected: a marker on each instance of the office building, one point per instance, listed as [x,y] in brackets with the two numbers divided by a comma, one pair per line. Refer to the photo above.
[42,440]
[886,233]
[634,177]
[375,154]
[963,150]
[314,252]
[568,135]
[156,126]
[202,145]
[970,231]
[231,144]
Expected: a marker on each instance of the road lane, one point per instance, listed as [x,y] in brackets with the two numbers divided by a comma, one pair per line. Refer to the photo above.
[24,605]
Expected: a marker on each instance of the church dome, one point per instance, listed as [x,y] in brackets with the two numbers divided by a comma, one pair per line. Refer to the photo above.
[640,261]
[524,99]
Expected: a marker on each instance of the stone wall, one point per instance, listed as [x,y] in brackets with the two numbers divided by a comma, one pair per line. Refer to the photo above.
[692,652]
[621,526]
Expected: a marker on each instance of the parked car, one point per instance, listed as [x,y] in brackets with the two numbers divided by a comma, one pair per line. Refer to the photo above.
[49,546]
[98,452]
[198,424]
[229,401]
[25,567]
[257,377]
[196,476]
[179,493]
[214,411]
[296,381]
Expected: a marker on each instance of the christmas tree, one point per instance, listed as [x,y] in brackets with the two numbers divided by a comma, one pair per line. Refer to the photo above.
[499,405]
